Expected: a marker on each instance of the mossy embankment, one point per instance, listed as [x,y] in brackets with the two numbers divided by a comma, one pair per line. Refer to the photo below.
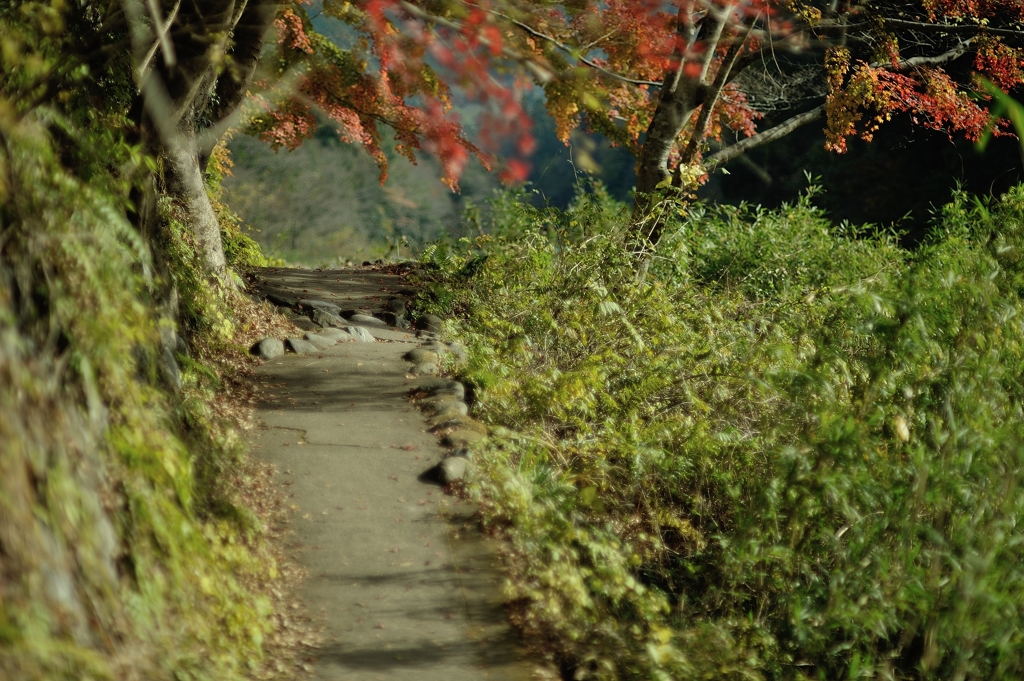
[132,528]
[792,450]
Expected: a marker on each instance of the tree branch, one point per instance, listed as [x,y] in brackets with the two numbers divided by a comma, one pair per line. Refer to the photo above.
[539,72]
[721,18]
[570,51]
[948,56]
[162,41]
[701,126]
[250,30]
[718,159]
[953,28]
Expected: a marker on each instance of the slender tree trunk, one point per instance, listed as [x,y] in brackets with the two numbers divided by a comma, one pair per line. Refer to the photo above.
[183,180]
[675,106]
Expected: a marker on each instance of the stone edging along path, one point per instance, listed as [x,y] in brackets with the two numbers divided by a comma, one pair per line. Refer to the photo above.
[406,586]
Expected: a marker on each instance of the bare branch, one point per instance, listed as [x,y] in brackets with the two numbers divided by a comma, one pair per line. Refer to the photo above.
[161,29]
[716,160]
[721,18]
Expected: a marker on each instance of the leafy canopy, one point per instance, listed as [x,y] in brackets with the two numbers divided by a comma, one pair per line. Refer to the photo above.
[615,66]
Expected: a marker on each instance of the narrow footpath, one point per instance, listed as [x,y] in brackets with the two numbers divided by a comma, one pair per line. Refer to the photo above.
[406,586]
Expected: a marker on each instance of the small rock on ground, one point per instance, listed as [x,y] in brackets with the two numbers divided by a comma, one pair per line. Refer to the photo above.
[418,355]
[389,318]
[360,334]
[428,402]
[454,469]
[447,409]
[268,348]
[365,319]
[430,323]
[437,347]
[300,347]
[458,423]
[462,438]
[320,341]
[424,369]
[325,319]
[335,334]
[320,305]
[441,386]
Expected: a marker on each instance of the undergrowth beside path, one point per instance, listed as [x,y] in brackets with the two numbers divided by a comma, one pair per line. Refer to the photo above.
[792,451]
[133,530]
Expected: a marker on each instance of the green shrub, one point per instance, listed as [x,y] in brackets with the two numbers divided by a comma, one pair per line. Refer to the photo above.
[791,451]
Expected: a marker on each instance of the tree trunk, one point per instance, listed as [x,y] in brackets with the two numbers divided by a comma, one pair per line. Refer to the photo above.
[676,104]
[183,181]
[177,94]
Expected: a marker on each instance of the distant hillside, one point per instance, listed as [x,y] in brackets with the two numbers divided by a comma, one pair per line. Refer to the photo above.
[323,202]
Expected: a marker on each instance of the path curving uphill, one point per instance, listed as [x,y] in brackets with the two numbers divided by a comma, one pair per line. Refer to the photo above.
[406,586]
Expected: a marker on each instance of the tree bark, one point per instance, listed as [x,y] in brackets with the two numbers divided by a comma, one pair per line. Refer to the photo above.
[679,97]
[176,95]
[184,181]
[675,106]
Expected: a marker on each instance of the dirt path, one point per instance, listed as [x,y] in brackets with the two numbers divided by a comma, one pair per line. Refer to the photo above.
[407,587]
